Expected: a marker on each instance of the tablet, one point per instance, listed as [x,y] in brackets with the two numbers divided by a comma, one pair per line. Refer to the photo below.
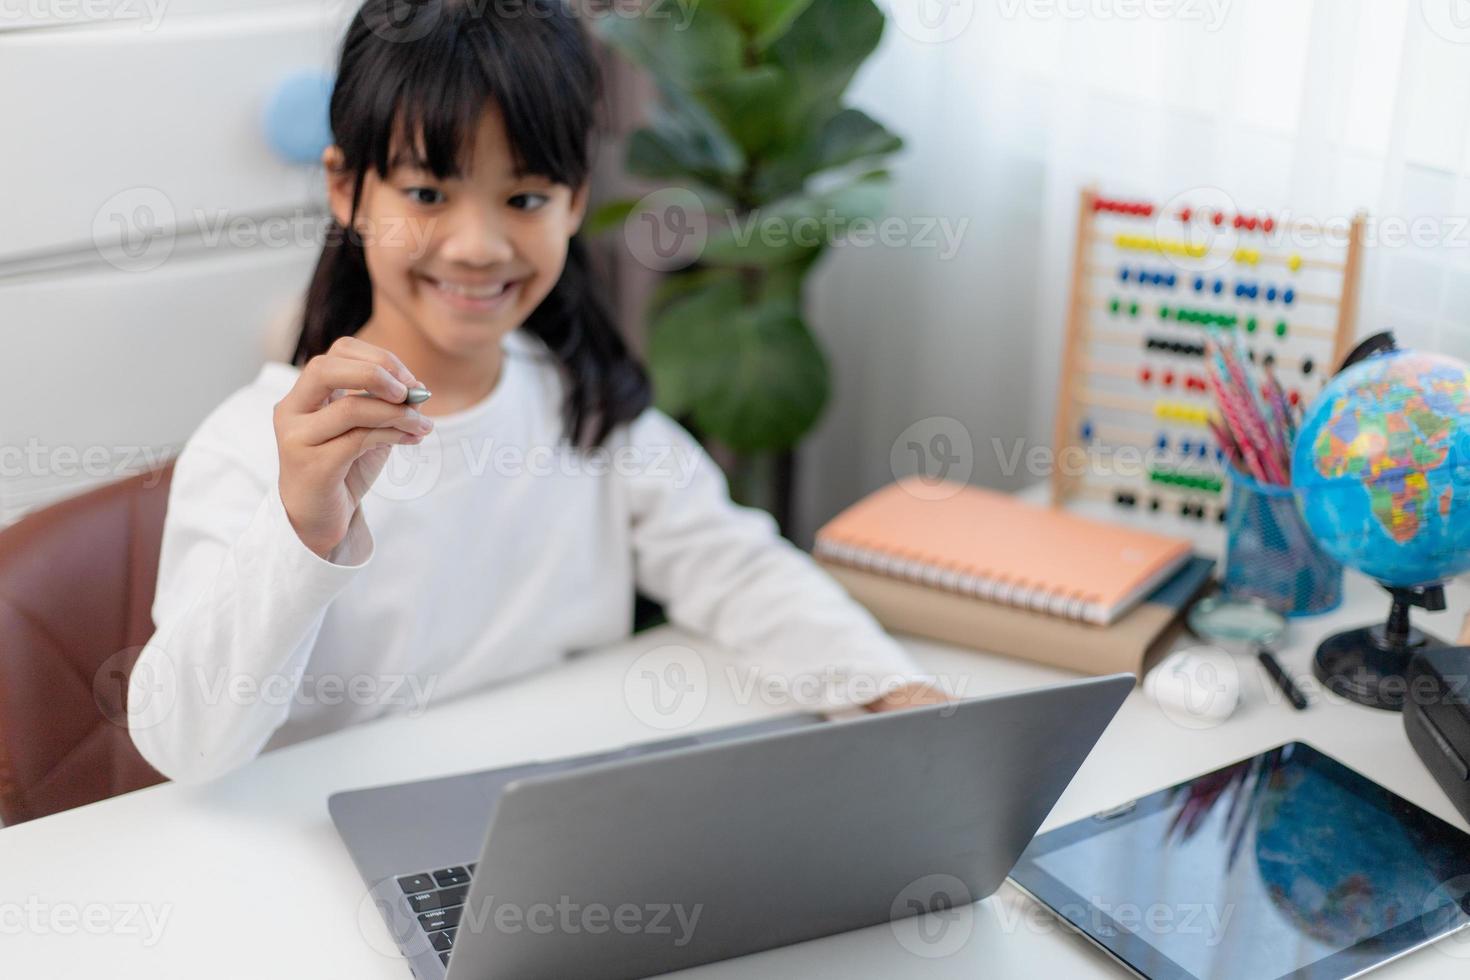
[1286,865]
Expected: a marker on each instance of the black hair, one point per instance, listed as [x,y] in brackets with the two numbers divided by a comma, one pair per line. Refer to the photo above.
[425,71]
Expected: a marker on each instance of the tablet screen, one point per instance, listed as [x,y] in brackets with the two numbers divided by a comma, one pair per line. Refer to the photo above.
[1285,865]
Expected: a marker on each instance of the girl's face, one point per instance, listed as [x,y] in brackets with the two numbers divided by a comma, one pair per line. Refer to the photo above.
[462,261]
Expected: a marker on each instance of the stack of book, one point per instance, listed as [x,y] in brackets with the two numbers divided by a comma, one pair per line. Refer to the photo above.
[990,571]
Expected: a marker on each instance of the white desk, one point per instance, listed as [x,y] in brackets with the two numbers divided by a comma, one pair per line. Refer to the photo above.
[254,883]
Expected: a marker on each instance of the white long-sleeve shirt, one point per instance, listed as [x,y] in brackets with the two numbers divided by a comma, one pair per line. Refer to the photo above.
[488,550]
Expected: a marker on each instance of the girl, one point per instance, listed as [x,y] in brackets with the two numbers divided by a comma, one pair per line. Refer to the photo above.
[540,488]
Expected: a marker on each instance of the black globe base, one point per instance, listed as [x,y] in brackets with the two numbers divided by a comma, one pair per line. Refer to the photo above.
[1367,665]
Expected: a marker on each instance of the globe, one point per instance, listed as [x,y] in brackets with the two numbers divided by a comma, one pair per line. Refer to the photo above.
[1381,468]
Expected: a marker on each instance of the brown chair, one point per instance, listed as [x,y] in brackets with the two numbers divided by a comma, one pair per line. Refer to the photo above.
[76,598]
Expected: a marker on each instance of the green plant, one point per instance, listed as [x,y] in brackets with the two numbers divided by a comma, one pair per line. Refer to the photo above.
[750,123]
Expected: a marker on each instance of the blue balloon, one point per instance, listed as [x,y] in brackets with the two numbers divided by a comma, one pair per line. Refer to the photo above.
[296,117]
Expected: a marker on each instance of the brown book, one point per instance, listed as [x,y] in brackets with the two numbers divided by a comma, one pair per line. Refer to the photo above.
[1129,644]
[999,548]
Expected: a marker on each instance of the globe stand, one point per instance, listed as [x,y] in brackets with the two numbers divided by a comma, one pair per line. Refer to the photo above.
[1367,665]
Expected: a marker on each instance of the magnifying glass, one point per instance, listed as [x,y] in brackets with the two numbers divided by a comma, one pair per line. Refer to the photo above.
[1247,626]
[1243,625]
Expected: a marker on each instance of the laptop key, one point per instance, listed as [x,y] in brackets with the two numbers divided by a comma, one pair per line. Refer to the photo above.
[443,940]
[440,919]
[429,901]
[444,958]
[451,876]
[415,883]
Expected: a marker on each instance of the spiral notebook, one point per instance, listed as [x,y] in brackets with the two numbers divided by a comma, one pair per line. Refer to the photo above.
[996,547]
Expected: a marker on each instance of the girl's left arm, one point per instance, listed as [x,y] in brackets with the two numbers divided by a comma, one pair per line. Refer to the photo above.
[723,570]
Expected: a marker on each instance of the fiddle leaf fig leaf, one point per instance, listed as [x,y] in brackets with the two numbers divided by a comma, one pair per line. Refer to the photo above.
[751,376]
[765,20]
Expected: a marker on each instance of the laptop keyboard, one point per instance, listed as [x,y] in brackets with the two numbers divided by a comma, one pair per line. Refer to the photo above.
[437,898]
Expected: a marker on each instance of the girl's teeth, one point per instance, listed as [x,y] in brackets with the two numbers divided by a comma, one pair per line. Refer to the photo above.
[476,292]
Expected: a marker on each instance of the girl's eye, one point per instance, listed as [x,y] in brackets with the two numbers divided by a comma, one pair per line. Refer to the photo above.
[425,195]
[528,201]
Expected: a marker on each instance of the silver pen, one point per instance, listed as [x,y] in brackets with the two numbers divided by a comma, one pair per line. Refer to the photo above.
[417,395]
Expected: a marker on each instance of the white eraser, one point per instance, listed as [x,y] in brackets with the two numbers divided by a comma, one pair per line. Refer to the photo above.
[1198,687]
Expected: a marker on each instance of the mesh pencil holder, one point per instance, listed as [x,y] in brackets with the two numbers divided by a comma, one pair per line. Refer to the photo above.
[1270,555]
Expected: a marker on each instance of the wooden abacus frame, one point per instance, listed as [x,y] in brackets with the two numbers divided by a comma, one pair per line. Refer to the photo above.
[1078,364]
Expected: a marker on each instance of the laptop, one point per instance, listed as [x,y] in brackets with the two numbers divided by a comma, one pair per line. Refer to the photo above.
[662,856]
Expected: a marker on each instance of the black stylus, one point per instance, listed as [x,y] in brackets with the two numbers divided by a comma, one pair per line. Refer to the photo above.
[1283,679]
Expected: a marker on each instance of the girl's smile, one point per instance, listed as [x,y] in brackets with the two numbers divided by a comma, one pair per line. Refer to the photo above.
[475,297]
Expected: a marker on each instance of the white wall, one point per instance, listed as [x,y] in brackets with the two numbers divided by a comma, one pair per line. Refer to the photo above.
[1317,108]
[151,241]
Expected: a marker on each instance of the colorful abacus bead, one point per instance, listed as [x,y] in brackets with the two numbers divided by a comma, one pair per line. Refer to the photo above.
[1140,209]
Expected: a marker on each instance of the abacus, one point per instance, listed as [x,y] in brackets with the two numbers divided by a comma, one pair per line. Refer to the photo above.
[1149,284]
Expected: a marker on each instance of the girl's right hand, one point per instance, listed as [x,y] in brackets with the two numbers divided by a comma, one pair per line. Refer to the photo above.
[331,450]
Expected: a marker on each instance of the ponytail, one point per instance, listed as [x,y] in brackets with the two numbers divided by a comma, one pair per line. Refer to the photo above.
[606,386]
[340,298]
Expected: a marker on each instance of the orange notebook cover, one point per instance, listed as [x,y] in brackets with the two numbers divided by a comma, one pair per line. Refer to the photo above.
[1002,549]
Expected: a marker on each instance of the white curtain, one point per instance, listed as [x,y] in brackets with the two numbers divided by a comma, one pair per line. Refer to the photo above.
[1010,106]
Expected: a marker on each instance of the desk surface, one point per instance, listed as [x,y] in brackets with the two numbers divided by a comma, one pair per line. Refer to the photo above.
[246,878]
